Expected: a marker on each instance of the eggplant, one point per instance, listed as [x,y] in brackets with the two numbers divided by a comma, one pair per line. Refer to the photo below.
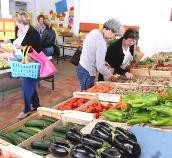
[74,135]
[103,133]
[105,125]
[113,152]
[125,133]
[83,151]
[131,147]
[92,141]
[60,148]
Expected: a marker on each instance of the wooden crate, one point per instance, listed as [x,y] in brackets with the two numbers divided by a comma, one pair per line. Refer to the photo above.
[42,111]
[140,72]
[160,73]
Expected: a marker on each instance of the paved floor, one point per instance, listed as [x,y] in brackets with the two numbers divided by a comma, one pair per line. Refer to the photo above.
[65,84]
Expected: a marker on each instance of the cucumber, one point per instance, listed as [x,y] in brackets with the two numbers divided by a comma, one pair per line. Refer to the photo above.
[23,135]
[28,131]
[39,152]
[41,145]
[36,123]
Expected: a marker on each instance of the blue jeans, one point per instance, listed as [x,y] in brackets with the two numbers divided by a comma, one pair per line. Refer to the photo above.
[48,51]
[29,93]
[86,81]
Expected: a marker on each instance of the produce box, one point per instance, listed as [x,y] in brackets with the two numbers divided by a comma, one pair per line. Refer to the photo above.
[47,133]
[100,96]
[160,73]
[140,72]
[20,125]
[87,129]
[101,87]
[95,107]
[73,103]
[12,151]
[151,88]
[87,95]
[77,117]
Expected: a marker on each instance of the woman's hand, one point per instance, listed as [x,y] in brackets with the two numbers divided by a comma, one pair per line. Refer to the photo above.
[129,75]
[114,77]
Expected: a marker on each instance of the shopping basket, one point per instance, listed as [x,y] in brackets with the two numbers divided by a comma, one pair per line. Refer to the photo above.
[24,70]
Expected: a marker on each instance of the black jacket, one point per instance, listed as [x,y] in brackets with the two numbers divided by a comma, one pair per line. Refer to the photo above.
[48,38]
[115,56]
[33,39]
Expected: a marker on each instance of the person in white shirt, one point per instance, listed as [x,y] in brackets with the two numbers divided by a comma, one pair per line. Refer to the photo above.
[92,59]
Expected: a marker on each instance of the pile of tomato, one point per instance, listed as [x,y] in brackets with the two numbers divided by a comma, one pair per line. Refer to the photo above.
[97,108]
[71,104]
[100,89]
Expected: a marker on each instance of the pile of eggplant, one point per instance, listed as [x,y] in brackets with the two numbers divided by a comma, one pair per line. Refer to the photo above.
[105,141]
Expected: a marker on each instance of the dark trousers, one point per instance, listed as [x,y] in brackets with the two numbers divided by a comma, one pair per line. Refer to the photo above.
[29,93]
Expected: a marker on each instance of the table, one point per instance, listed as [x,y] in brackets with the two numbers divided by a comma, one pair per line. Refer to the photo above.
[68,47]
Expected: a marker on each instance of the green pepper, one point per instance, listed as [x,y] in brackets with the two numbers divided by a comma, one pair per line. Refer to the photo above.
[114,115]
[166,121]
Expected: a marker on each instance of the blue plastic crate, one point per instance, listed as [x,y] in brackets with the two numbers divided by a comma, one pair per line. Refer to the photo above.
[25,70]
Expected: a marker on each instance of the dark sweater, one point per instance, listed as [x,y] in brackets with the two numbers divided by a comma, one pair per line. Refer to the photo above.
[33,39]
[115,56]
[48,38]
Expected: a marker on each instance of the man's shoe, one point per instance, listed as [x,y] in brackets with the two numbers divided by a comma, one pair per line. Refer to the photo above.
[23,115]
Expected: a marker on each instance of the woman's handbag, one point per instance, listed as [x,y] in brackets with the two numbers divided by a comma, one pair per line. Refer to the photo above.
[76,56]
[47,67]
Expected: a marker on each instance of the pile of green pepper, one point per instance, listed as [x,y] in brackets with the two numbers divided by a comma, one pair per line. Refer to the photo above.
[144,108]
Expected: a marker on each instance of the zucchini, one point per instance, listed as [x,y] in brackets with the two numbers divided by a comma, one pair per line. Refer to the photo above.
[54,138]
[39,152]
[23,135]
[28,131]
[6,139]
[61,129]
[36,123]
[36,129]
[41,145]
[48,119]
[59,134]
[8,136]
[19,138]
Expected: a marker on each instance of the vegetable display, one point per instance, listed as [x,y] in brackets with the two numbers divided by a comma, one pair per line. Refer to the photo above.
[152,108]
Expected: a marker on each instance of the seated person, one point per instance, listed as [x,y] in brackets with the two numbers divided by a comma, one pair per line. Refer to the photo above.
[48,39]
[40,26]
[120,54]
